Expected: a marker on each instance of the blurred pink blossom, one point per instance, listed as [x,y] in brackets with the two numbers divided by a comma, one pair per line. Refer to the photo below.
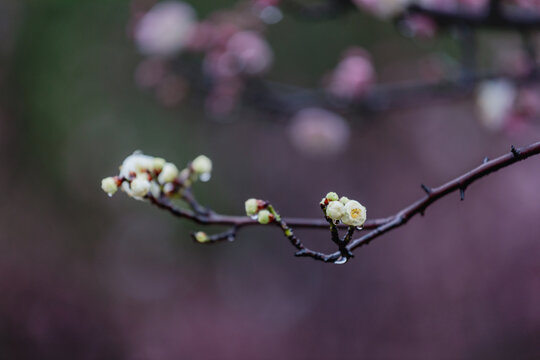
[353,76]
[318,132]
[245,52]
[165,29]
[419,25]
[252,54]
[383,8]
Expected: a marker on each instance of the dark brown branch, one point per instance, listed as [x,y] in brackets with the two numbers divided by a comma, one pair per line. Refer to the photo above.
[494,17]
[378,226]
[213,218]
[286,100]
[319,11]
[403,216]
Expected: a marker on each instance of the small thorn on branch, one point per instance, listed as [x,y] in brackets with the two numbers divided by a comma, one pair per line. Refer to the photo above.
[462,193]
[515,151]
[486,160]
[426,189]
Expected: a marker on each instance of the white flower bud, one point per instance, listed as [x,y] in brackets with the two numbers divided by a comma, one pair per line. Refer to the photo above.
[168,173]
[109,185]
[264,217]
[158,163]
[251,207]
[155,190]
[355,214]
[136,163]
[332,196]
[202,165]
[140,186]
[335,210]
[201,237]
[344,200]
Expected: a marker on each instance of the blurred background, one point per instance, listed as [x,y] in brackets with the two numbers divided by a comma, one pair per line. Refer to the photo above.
[84,276]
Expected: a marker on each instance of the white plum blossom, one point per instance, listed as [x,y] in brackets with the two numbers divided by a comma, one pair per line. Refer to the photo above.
[264,217]
[201,237]
[136,163]
[140,186]
[159,163]
[202,165]
[168,173]
[109,185]
[318,132]
[251,206]
[332,196]
[335,210]
[142,175]
[495,100]
[165,29]
[355,214]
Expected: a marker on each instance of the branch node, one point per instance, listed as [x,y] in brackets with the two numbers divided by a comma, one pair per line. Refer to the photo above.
[301,252]
[485,161]
[515,151]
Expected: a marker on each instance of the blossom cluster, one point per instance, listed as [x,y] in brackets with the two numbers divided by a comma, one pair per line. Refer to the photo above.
[349,212]
[143,175]
[258,209]
[230,41]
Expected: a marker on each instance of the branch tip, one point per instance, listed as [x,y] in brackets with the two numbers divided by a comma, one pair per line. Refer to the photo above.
[462,193]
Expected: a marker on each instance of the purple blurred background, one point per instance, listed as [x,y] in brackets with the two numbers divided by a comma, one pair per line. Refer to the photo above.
[83,276]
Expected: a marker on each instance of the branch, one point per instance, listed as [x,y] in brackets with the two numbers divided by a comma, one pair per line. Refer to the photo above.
[378,227]
[213,218]
[493,18]
[327,9]
[284,99]
[458,184]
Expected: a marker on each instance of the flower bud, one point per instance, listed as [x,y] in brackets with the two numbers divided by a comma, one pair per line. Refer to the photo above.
[168,173]
[140,186]
[155,190]
[109,185]
[251,207]
[335,210]
[264,217]
[201,237]
[158,164]
[332,196]
[344,200]
[202,165]
[355,214]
